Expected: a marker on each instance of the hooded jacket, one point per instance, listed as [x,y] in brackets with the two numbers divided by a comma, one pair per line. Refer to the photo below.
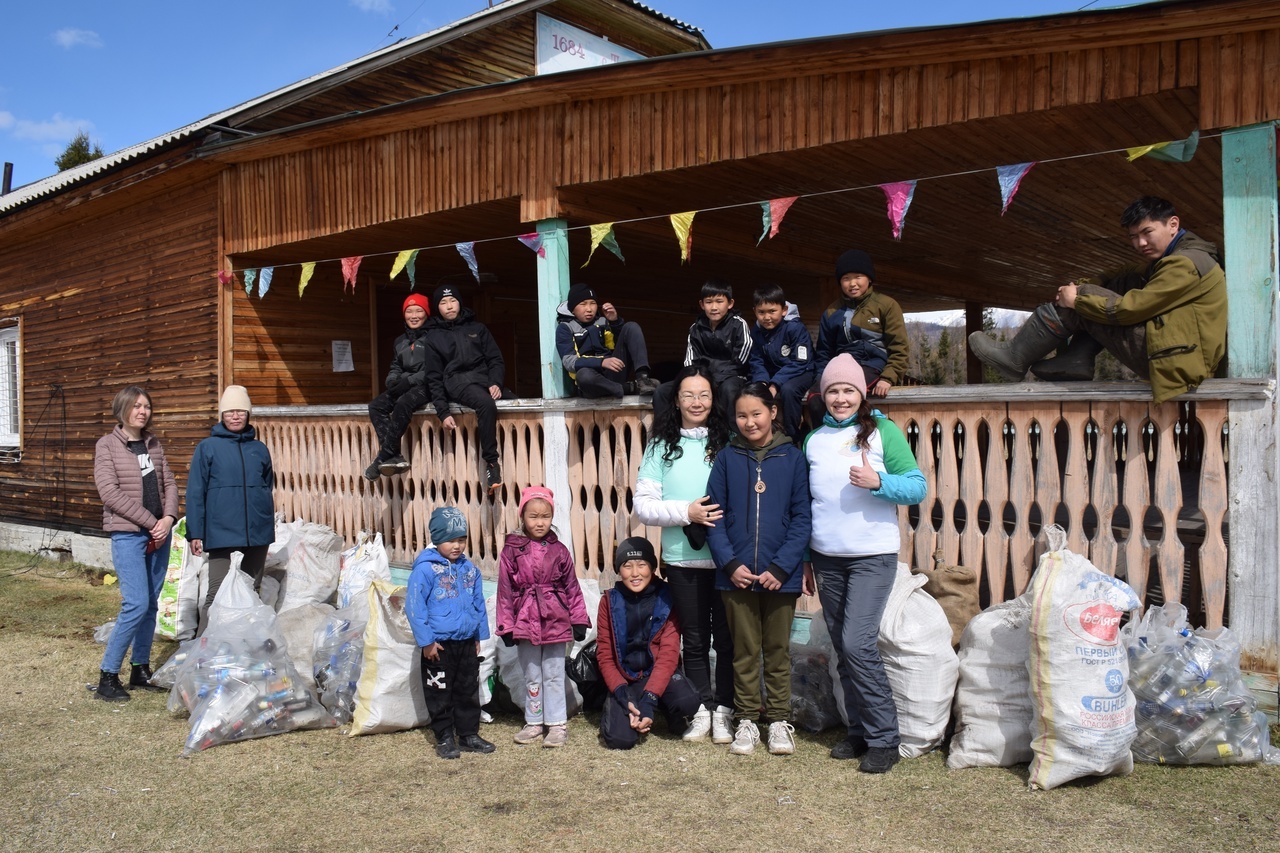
[539,599]
[445,601]
[581,345]
[763,530]
[728,348]
[229,502]
[408,362]
[786,350]
[870,329]
[1182,300]
[460,352]
[119,481]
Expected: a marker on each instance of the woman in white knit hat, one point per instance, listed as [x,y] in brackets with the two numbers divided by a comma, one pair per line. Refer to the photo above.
[229,504]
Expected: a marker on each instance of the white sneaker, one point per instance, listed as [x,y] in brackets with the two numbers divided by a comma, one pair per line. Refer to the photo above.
[781,740]
[699,726]
[722,725]
[744,742]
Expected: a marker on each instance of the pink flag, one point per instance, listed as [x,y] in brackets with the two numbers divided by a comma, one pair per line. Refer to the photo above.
[225,277]
[774,210]
[1010,178]
[534,242]
[898,196]
[349,268]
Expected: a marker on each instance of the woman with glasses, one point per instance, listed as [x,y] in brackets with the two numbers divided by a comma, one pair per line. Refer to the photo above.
[671,493]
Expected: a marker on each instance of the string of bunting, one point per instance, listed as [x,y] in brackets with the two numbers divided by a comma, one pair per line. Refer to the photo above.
[898,198]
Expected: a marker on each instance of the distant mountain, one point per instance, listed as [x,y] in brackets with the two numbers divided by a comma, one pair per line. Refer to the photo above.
[1004,318]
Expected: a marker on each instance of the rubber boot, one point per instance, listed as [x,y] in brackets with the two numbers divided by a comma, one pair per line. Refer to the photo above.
[1039,336]
[1074,365]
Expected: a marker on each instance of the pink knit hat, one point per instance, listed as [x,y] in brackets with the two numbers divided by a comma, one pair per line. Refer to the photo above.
[535,493]
[843,368]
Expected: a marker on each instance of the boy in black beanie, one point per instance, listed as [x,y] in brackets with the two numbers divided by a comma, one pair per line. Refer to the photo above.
[598,348]
[864,323]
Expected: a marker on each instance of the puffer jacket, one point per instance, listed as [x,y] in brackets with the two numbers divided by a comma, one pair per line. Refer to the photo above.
[445,601]
[662,637]
[461,352]
[582,346]
[763,530]
[1182,300]
[539,599]
[229,502]
[871,329]
[119,481]
[409,363]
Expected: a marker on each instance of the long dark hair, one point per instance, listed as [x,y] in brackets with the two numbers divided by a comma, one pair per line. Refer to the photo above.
[666,423]
[760,390]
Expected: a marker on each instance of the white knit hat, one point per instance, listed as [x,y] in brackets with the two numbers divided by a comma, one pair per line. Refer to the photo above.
[235,398]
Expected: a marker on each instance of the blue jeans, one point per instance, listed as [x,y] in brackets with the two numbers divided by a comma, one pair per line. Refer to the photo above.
[854,592]
[140,575]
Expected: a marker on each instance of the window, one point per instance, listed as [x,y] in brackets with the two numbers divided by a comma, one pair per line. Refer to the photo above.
[10,411]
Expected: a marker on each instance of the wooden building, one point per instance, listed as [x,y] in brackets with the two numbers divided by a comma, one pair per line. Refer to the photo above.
[453,138]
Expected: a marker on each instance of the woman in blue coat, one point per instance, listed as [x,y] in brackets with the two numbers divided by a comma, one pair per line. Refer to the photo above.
[229,503]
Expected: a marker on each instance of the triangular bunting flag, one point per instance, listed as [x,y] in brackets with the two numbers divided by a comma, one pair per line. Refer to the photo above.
[308,269]
[349,268]
[534,242]
[898,195]
[468,252]
[1177,152]
[1010,178]
[774,210]
[225,277]
[683,224]
[264,281]
[602,235]
[405,261]
[250,276]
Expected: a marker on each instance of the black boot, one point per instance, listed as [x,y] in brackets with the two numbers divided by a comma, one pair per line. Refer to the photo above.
[448,747]
[1074,365]
[140,679]
[110,689]
[475,743]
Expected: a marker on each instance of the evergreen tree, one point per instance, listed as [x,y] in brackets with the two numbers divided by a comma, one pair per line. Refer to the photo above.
[77,152]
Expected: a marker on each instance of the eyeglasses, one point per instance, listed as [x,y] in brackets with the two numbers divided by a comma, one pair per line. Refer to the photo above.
[690,397]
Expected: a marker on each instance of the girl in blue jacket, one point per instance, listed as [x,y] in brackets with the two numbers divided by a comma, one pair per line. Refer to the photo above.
[761,481]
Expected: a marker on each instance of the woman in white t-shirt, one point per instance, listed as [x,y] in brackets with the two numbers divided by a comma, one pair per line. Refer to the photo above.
[671,493]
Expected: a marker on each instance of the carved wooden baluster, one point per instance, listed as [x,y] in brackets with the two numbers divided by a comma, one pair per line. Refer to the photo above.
[970,491]
[1167,499]
[995,542]
[948,485]
[1137,495]
[1075,478]
[926,537]
[1048,482]
[1022,416]
[1212,416]
[1103,551]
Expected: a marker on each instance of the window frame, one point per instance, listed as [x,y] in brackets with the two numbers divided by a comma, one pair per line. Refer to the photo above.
[10,398]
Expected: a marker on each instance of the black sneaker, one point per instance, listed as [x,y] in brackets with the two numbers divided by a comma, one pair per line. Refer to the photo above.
[373,472]
[110,689]
[492,477]
[645,386]
[448,747]
[475,743]
[140,679]
[879,759]
[849,748]
[394,465]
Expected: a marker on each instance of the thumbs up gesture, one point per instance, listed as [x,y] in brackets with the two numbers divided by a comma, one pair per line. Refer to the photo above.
[863,476]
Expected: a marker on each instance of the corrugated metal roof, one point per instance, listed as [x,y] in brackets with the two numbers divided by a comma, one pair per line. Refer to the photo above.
[56,183]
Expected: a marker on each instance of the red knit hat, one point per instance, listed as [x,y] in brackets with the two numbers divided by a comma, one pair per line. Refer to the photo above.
[416,299]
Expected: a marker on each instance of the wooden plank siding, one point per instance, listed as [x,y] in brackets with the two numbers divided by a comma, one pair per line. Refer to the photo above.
[125,297]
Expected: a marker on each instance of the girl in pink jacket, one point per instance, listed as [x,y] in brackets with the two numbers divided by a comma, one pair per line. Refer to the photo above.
[539,610]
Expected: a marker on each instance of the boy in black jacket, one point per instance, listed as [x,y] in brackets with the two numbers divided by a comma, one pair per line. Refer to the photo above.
[597,347]
[464,366]
[722,338]
[391,411]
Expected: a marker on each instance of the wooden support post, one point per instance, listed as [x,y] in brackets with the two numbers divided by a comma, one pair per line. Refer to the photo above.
[553,287]
[1250,225]
[555,461]
[972,323]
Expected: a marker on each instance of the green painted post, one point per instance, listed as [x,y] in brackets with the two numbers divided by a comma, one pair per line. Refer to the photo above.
[553,287]
[1249,221]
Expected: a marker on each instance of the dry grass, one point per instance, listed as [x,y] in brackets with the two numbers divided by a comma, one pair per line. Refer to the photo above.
[84,775]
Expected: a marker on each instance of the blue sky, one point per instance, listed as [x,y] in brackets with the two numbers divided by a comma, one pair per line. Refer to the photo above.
[125,72]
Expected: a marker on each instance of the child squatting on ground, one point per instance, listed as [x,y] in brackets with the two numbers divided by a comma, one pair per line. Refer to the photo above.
[539,610]
[638,651]
[762,481]
[445,607]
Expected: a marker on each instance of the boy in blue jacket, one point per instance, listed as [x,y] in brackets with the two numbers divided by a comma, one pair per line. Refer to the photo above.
[445,607]
[786,351]
[598,348]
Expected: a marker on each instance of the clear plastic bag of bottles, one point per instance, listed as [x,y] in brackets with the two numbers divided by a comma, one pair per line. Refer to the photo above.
[1192,704]
[813,702]
[339,643]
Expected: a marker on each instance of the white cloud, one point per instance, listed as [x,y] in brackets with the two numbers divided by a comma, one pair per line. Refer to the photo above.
[57,129]
[382,7]
[6,120]
[70,37]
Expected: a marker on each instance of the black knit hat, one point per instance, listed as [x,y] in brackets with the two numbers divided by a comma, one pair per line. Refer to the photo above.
[579,293]
[441,292]
[635,548]
[854,261]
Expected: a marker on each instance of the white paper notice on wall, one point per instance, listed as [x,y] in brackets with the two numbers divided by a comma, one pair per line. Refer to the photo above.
[342,362]
[562,47]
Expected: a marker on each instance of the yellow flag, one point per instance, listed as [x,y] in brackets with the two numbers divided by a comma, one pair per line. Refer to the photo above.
[683,223]
[1142,150]
[602,235]
[307,270]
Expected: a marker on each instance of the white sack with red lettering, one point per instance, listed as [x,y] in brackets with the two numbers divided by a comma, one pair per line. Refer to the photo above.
[1084,721]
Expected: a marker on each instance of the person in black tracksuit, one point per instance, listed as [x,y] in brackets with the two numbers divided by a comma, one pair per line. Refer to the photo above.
[464,366]
[391,411]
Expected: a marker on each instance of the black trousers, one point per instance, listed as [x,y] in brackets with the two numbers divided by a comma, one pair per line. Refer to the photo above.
[390,417]
[700,608]
[628,345]
[677,703]
[477,397]
[451,686]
